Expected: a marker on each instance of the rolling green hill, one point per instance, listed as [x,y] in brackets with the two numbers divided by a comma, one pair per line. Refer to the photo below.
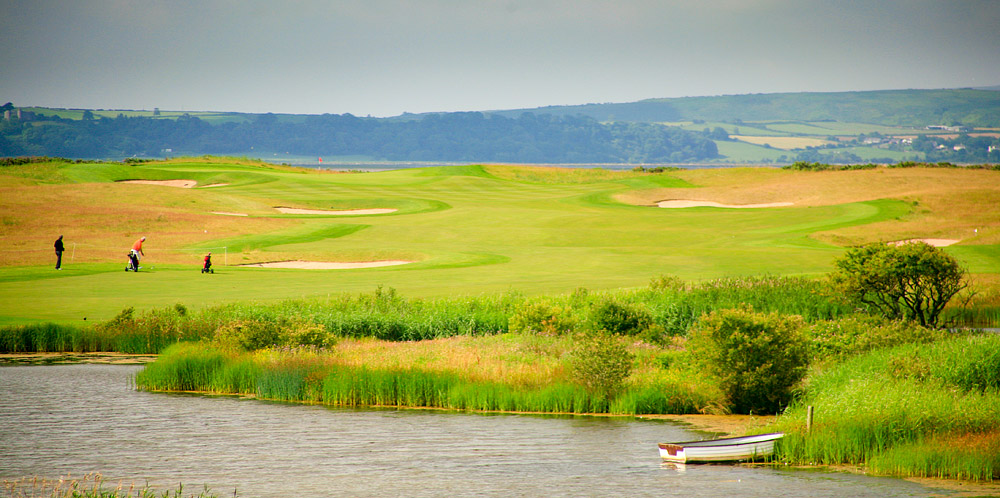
[916,108]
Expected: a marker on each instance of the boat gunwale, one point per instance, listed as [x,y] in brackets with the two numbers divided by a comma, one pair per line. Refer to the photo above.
[730,441]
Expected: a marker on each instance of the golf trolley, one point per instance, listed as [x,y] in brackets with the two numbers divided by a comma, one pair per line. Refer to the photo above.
[133,262]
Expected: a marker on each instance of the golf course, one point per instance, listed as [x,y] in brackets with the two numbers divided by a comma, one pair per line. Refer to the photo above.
[450,231]
[514,288]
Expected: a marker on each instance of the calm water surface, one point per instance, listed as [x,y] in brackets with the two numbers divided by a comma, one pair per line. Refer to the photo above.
[76,419]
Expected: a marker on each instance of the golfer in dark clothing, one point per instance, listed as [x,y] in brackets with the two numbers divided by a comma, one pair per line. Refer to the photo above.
[59,251]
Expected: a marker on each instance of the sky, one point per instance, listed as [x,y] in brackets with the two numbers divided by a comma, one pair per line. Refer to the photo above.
[386,57]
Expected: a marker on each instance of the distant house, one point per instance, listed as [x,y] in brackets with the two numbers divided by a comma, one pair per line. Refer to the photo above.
[957,129]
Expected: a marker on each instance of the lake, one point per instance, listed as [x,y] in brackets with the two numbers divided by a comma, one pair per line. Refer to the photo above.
[77,419]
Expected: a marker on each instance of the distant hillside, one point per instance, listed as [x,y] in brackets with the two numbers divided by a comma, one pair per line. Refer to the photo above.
[969,107]
[959,125]
[467,137]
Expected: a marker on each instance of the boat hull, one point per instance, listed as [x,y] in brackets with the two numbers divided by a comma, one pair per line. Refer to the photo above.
[720,450]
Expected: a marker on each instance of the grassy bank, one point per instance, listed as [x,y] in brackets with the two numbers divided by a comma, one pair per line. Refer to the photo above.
[929,410]
[510,373]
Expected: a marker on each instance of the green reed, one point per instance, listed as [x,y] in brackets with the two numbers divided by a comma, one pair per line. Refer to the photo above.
[311,376]
[897,409]
[384,314]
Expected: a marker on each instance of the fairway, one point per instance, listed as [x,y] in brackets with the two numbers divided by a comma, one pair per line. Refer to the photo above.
[467,230]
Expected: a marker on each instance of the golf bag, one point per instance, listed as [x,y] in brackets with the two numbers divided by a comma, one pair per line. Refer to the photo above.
[133,262]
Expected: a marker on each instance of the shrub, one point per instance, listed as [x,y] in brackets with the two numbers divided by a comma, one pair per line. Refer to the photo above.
[310,334]
[856,334]
[912,281]
[542,318]
[601,363]
[619,318]
[667,283]
[758,358]
[249,335]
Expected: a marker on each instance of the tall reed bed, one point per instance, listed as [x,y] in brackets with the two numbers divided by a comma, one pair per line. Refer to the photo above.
[47,337]
[907,410]
[345,377]
[669,304]
[129,332]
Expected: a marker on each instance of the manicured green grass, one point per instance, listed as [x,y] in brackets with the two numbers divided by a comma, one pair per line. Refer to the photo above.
[469,230]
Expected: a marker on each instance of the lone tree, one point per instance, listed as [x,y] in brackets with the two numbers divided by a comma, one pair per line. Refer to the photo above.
[912,281]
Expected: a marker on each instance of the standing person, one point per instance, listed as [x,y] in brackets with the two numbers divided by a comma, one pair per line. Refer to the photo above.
[59,250]
[136,253]
[208,264]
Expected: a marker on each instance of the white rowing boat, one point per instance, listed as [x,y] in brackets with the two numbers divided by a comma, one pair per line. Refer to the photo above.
[720,450]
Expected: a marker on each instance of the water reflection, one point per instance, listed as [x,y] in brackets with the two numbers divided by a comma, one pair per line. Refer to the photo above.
[57,420]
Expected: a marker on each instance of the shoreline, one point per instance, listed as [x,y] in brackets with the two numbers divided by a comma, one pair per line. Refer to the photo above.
[71,358]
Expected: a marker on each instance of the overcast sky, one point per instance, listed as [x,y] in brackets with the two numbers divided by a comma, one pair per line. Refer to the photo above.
[386,57]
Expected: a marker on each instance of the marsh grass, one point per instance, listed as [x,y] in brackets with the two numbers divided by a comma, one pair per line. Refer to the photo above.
[496,373]
[665,311]
[896,408]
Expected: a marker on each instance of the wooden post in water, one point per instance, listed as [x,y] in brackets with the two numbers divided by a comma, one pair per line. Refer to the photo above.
[809,419]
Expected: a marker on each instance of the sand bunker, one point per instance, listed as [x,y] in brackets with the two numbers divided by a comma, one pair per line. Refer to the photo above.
[166,183]
[288,210]
[229,214]
[328,265]
[933,242]
[214,185]
[687,204]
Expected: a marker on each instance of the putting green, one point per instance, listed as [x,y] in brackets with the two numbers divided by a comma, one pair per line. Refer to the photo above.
[469,230]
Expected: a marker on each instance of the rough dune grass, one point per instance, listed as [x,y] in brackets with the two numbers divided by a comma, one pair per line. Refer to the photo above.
[945,202]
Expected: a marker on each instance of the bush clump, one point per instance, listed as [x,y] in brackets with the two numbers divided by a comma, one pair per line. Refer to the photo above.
[601,364]
[758,358]
[619,318]
[542,318]
[857,334]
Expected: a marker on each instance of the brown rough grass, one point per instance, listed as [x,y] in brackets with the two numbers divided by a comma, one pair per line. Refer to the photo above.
[527,361]
[104,219]
[948,203]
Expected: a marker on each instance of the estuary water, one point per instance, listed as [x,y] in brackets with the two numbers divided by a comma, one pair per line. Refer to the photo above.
[77,419]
